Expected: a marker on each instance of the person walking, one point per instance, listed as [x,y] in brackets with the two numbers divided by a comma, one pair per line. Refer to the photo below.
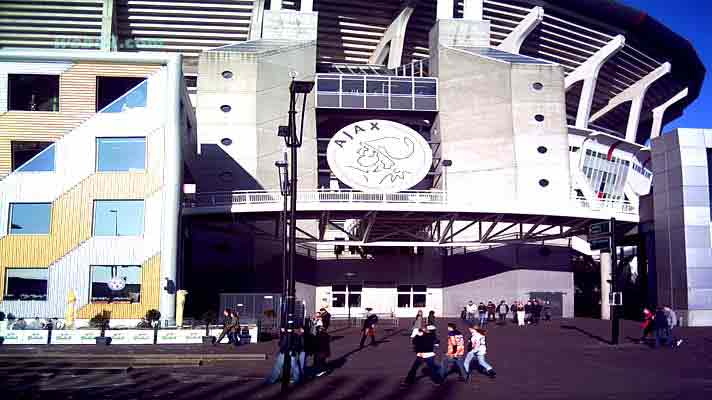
[660,322]
[647,325]
[482,310]
[418,323]
[325,318]
[520,313]
[463,314]
[369,327]
[455,352]
[279,361]
[323,352]
[229,326]
[479,350]
[547,311]
[471,311]
[672,323]
[536,311]
[431,318]
[502,310]
[528,307]
[513,309]
[424,348]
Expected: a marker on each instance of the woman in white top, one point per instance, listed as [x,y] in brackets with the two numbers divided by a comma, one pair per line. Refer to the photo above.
[479,349]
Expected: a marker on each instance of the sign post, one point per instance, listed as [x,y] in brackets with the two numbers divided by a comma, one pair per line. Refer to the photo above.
[602,236]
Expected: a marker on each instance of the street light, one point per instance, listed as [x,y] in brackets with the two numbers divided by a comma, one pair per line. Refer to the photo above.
[116,221]
[349,276]
[293,140]
[283,176]
[446,165]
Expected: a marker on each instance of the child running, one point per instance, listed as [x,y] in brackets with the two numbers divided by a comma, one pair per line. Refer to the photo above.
[479,349]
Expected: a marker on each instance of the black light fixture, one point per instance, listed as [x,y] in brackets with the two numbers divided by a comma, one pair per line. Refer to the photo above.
[283,175]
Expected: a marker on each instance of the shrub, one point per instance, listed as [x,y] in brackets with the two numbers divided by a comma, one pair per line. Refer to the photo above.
[2,316]
[153,315]
[101,321]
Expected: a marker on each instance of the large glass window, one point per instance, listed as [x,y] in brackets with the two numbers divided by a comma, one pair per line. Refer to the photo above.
[118,217]
[111,88]
[32,156]
[116,283]
[30,218]
[342,292]
[412,296]
[26,284]
[120,154]
[30,92]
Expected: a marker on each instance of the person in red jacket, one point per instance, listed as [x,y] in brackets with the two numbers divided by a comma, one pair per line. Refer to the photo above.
[647,325]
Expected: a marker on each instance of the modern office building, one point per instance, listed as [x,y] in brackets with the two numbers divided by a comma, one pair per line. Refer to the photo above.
[452,150]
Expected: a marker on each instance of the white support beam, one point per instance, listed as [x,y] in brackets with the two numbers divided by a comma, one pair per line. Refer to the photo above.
[659,112]
[391,44]
[513,42]
[109,37]
[275,5]
[258,12]
[472,10]
[445,9]
[307,5]
[588,73]
[635,94]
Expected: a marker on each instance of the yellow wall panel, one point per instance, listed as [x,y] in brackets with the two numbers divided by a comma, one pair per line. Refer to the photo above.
[150,294]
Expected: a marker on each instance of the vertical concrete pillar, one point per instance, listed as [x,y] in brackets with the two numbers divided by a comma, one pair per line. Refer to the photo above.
[276,5]
[606,267]
[445,9]
[472,10]
[307,5]
[109,38]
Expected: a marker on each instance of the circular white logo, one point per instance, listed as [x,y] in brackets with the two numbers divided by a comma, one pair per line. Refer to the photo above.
[379,156]
[116,284]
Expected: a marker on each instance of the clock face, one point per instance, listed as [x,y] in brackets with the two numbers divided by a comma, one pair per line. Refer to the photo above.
[116,283]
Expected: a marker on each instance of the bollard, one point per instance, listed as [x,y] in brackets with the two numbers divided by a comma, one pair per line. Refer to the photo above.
[50,327]
[155,333]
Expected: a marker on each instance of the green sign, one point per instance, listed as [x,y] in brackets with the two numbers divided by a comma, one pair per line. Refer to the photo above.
[600,228]
[601,244]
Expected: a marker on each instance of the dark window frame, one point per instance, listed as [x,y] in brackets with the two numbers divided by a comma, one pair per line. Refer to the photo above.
[5,295]
[114,272]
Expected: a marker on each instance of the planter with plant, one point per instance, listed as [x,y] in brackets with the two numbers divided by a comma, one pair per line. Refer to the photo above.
[101,321]
[209,317]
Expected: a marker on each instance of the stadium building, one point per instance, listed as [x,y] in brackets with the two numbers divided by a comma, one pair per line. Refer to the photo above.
[452,151]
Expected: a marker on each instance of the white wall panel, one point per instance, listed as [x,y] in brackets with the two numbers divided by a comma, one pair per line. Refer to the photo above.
[3,92]
[25,67]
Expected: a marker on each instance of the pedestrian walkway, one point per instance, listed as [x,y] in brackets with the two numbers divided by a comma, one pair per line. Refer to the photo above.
[567,359]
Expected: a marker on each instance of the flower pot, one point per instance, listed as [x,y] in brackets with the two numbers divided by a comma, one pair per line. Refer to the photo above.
[208,339]
[103,340]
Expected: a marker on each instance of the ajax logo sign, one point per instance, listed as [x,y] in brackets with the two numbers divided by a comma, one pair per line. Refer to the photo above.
[379,156]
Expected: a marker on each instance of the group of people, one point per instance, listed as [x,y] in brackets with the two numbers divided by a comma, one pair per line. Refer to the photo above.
[460,353]
[231,327]
[660,325]
[522,313]
[310,340]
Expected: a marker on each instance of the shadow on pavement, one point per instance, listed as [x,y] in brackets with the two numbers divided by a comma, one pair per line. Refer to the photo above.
[589,334]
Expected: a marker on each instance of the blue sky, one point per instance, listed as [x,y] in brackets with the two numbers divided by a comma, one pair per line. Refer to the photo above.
[691,19]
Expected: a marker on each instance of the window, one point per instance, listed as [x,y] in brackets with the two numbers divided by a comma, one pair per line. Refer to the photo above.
[32,156]
[340,293]
[30,218]
[225,108]
[118,217]
[120,154]
[539,118]
[26,284]
[112,88]
[226,75]
[537,86]
[115,283]
[33,92]
[412,296]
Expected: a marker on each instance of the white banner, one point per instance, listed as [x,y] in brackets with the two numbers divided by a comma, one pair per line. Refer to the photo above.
[81,336]
[127,336]
[26,337]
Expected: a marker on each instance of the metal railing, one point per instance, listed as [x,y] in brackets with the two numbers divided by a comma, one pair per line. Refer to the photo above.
[348,196]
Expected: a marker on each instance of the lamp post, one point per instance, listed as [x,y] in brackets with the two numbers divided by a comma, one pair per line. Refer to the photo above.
[283,175]
[116,221]
[293,140]
[446,165]
[349,276]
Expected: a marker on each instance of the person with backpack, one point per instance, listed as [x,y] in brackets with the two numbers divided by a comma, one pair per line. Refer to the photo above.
[502,310]
[369,327]
[660,322]
[455,352]
[479,350]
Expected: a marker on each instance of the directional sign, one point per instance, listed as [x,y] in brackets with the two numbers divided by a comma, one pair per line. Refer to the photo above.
[600,228]
[601,244]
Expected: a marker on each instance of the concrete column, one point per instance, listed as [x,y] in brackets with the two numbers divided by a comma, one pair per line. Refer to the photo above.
[109,37]
[445,9]
[393,40]
[276,5]
[258,11]
[513,42]
[659,113]
[472,10]
[606,268]
[173,178]
[307,5]
[588,73]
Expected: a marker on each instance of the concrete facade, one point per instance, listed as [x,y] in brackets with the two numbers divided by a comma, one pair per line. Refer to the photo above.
[681,202]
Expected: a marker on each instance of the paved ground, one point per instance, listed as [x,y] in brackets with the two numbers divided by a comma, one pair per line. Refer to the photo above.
[567,359]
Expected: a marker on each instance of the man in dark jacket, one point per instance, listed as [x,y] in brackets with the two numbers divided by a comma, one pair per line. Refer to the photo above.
[279,360]
[424,348]
[482,311]
[660,322]
[369,327]
[536,311]
[230,327]
[325,318]
[502,310]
